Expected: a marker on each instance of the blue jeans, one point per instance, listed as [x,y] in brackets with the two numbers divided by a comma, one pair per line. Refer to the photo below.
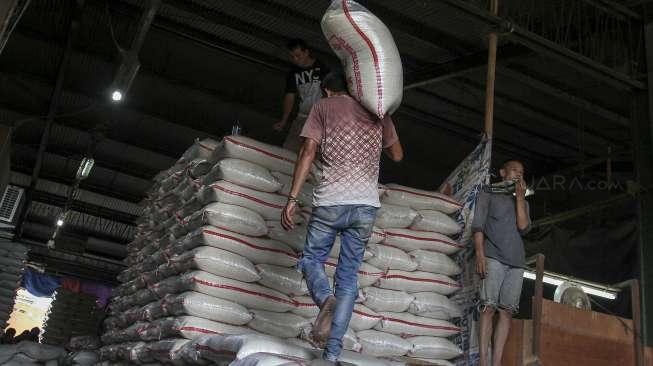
[354,224]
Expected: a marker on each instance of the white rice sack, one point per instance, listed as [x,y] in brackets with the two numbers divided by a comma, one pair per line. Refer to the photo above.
[418,282]
[230,217]
[250,295]
[420,199]
[218,262]
[432,305]
[295,238]
[363,318]
[272,157]
[207,307]
[409,240]
[40,352]
[264,359]
[433,347]
[189,207]
[20,359]
[198,167]
[438,362]
[386,257]
[301,342]
[350,341]
[378,235]
[358,359]
[392,216]
[283,325]
[335,249]
[430,220]
[202,149]
[268,205]
[218,349]
[305,195]
[409,324]
[367,274]
[435,262]
[379,299]
[210,348]
[271,345]
[85,358]
[305,306]
[379,344]
[368,53]
[257,250]
[190,327]
[242,173]
[286,280]
[7,351]
[169,351]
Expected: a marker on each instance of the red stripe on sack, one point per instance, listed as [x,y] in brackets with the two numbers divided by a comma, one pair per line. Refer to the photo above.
[426,195]
[238,289]
[196,329]
[375,57]
[259,150]
[213,350]
[422,280]
[206,147]
[368,315]
[454,329]
[361,272]
[210,232]
[389,233]
[257,200]
[304,304]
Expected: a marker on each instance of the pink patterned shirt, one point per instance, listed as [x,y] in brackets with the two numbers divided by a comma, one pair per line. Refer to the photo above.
[350,140]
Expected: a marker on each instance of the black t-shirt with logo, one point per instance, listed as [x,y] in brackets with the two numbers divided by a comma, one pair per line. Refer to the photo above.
[305,82]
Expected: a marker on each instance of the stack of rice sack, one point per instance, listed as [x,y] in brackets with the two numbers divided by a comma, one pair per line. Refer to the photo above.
[83,351]
[31,353]
[12,265]
[71,314]
[405,279]
[211,259]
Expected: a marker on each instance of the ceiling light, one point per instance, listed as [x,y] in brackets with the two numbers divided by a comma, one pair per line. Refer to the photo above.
[116,96]
[84,169]
[59,222]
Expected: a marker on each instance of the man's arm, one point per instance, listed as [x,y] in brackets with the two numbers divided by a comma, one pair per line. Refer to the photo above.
[395,152]
[286,106]
[523,219]
[478,227]
[302,169]
[479,248]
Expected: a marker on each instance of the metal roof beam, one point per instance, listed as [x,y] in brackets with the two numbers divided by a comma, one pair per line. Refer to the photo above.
[597,138]
[541,45]
[563,95]
[543,139]
[461,66]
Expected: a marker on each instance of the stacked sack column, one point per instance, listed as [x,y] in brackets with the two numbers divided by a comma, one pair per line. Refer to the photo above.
[404,281]
[203,261]
[12,266]
[70,315]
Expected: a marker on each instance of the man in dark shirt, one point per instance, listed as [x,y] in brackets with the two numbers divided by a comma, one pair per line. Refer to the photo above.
[499,222]
[302,82]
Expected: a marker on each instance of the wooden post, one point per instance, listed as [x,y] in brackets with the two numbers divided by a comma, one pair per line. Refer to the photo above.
[537,308]
[636,306]
[493,40]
